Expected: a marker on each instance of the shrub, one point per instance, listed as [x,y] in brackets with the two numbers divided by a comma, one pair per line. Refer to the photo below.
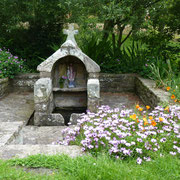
[124,134]
[9,64]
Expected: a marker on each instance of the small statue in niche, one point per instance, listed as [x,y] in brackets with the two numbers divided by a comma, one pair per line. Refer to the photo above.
[71,76]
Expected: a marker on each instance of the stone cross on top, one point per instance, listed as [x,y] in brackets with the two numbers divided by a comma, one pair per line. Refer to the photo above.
[70,32]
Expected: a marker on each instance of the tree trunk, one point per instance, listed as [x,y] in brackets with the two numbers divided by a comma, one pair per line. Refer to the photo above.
[108,27]
[121,29]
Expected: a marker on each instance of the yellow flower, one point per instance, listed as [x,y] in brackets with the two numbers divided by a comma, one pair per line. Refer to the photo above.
[168,88]
[173,96]
[140,109]
[153,123]
[145,121]
[174,90]
[160,119]
[133,116]
[167,108]
[150,117]
[148,107]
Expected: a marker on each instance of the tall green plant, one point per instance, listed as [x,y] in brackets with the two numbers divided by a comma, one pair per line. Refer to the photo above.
[128,59]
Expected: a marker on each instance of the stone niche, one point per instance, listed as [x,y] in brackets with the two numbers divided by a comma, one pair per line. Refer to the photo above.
[68,85]
[65,97]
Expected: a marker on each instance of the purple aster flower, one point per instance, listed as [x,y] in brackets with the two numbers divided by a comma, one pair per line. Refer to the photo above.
[163,140]
[172,153]
[153,140]
[139,160]
[138,150]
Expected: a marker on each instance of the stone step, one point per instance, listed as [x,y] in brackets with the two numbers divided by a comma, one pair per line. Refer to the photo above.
[39,135]
[22,151]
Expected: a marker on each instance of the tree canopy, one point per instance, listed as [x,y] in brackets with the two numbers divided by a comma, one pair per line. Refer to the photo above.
[162,16]
[29,27]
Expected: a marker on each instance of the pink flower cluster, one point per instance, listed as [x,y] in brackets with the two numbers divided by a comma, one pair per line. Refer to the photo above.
[9,64]
[113,131]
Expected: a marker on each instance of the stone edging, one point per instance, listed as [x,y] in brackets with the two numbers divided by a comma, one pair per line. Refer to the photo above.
[25,82]
[145,89]
[117,82]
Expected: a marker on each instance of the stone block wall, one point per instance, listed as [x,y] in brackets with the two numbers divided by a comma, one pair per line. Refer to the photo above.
[24,82]
[145,89]
[117,82]
[4,87]
[108,82]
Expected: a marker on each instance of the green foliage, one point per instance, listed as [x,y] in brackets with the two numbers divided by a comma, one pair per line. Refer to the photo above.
[88,167]
[9,64]
[28,27]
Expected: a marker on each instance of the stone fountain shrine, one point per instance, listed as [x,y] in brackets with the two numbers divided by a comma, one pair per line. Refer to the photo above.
[69,82]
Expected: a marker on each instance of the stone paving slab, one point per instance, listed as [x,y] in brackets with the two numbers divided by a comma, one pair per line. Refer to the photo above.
[119,100]
[22,151]
[15,111]
[8,131]
[17,106]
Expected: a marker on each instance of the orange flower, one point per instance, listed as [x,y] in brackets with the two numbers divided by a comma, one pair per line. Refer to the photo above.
[153,123]
[140,109]
[175,100]
[168,88]
[137,106]
[173,96]
[150,117]
[160,119]
[133,116]
[137,120]
[148,107]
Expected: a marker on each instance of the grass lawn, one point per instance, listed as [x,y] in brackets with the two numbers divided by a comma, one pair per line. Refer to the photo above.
[89,168]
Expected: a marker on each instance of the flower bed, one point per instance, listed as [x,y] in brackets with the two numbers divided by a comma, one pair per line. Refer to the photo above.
[124,134]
